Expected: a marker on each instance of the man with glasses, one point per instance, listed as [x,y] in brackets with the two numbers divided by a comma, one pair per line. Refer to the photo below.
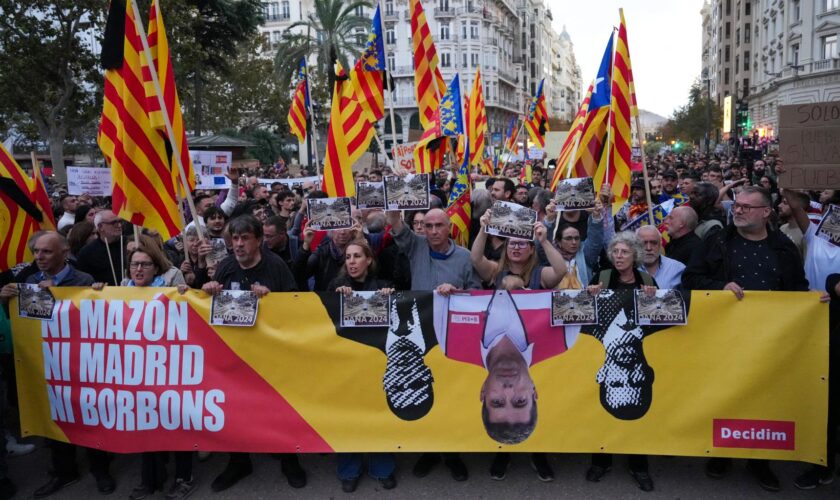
[103,257]
[747,255]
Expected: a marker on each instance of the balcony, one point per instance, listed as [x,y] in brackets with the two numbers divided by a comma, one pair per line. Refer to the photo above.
[825,65]
[441,13]
[277,17]
[403,71]
[391,16]
[491,42]
[401,101]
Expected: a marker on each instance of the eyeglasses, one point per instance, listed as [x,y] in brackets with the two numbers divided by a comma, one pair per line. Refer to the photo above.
[518,244]
[746,208]
[144,265]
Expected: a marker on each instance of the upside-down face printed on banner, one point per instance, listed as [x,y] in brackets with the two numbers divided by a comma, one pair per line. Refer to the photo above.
[132,369]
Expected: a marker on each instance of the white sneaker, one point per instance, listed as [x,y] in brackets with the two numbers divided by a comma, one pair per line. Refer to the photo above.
[15,449]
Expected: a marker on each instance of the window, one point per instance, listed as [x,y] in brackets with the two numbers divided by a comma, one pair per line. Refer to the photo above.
[389,8]
[747,8]
[794,54]
[464,30]
[831,5]
[445,61]
[444,5]
[359,11]
[746,87]
[474,30]
[737,63]
[728,30]
[747,60]
[728,7]
[747,33]
[829,46]
[726,76]
[796,11]
[726,54]
[390,36]
[474,60]
[464,59]
[391,62]
[286,10]
[444,31]
[738,37]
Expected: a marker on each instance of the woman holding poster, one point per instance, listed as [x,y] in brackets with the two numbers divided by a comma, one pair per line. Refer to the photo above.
[519,258]
[147,266]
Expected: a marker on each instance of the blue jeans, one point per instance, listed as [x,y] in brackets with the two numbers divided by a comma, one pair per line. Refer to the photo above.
[380,465]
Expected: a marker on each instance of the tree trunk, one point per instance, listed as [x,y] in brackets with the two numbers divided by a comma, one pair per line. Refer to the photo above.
[197,97]
[57,156]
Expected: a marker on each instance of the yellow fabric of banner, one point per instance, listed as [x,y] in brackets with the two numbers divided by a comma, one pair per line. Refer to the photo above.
[764,358]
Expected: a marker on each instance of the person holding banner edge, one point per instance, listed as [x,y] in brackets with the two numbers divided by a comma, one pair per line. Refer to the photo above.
[250,267]
[51,252]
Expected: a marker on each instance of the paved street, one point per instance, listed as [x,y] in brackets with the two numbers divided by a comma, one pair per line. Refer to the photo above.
[675,478]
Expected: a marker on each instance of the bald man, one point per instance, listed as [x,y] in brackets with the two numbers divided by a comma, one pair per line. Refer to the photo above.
[680,225]
[437,263]
[103,257]
[51,251]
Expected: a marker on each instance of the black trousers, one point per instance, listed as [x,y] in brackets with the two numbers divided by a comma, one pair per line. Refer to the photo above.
[64,460]
[153,467]
[638,463]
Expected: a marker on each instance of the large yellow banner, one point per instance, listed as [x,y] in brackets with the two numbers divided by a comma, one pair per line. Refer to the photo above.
[136,369]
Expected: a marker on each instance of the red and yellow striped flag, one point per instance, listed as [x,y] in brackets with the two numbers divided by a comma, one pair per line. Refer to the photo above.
[428,82]
[367,76]
[477,125]
[159,48]
[348,137]
[20,214]
[614,166]
[459,209]
[576,131]
[144,191]
[297,112]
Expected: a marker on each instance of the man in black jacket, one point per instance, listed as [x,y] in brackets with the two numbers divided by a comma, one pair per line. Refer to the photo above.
[747,256]
[250,267]
[680,225]
[103,257]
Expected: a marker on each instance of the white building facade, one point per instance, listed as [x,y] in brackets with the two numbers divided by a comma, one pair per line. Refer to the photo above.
[512,41]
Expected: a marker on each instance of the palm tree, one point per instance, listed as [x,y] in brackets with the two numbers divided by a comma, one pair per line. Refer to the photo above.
[329,33]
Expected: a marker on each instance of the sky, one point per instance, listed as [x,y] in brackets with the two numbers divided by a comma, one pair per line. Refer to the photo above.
[664,36]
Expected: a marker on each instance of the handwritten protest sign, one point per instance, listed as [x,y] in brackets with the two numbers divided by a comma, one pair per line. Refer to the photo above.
[92,181]
[809,144]
[404,156]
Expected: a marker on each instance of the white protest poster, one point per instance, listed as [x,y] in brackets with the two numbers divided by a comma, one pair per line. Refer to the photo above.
[88,180]
[210,168]
[292,183]
[404,156]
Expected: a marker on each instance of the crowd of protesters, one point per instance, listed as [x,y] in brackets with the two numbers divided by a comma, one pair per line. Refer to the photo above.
[732,229]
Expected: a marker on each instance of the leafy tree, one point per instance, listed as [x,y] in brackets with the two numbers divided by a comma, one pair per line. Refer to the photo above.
[204,35]
[328,33]
[48,73]
[689,122]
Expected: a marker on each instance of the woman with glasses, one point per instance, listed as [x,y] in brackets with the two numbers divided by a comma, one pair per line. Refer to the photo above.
[580,251]
[520,258]
[146,266]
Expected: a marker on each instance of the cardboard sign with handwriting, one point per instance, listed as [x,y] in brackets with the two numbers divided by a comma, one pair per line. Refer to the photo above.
[809,145]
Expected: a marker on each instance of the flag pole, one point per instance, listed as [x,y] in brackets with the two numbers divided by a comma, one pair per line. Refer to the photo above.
[391,103]
[644,165]
[609,117]
[176,151]
[504,143]
[314,124]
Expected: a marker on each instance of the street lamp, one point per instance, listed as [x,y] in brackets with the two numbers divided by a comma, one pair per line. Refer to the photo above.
[708,107]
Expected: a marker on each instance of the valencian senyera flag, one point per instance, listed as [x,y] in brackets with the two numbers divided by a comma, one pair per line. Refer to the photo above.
[368,75]
[614,166]
[159,48]
[300,105]
[459,209]
[144,192]
[22,213]
[537,121]
[348,137]
[447,121]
